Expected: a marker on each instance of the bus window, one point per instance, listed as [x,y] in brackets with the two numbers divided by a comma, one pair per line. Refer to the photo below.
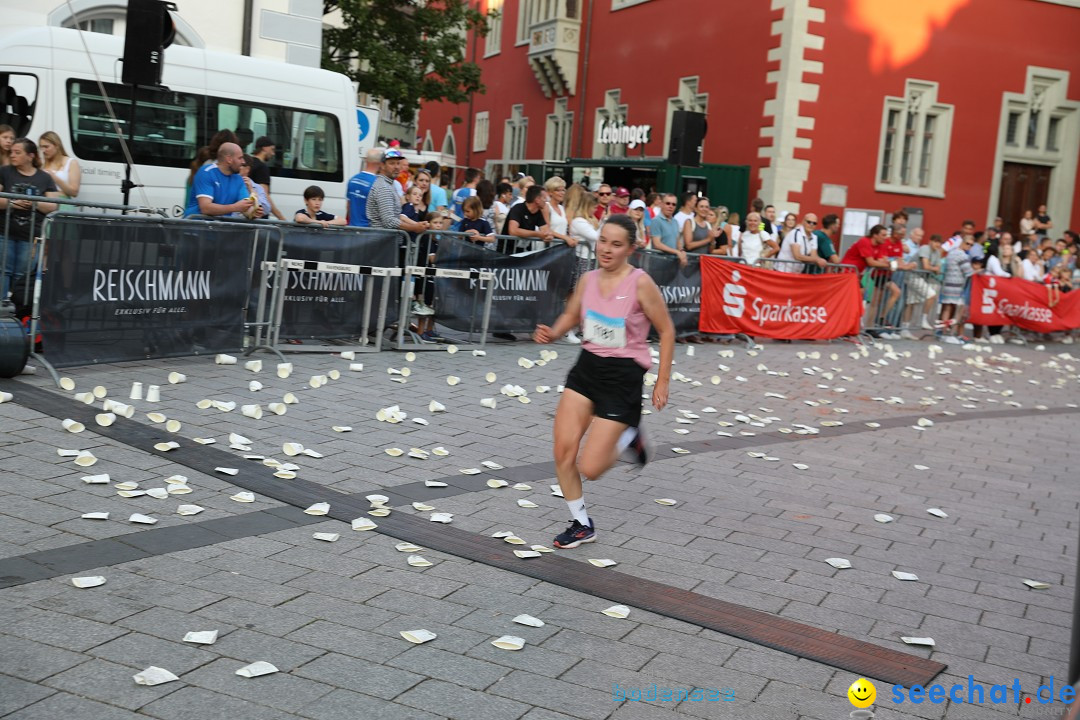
[18,97]
[166,124]
[308,143]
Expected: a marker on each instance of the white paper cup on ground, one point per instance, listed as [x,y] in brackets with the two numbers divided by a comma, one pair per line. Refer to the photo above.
[290,399]
[252,411]
[256,669]
[488,403]
[348,355]
[255,386]
[136,391]
[172,425]
[223,359]
[154,676]
[100,392]
[176,378]
[292,449]
[88,582]
[73,426]
[83,397]
[153,393]
[418,636]
[278,408]
[509,642]
[156,417]
[253,365]
[67,383]
[356,367]
[284,370]
[85,458]
[105,419]
[204,637]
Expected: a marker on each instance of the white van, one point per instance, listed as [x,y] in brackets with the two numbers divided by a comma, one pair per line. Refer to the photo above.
[47,83]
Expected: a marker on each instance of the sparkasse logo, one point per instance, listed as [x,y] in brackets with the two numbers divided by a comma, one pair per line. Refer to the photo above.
[734,304]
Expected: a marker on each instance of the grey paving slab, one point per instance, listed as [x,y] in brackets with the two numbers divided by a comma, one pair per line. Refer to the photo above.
[745,531]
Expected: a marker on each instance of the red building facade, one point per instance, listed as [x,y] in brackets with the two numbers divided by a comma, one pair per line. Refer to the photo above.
[955,108]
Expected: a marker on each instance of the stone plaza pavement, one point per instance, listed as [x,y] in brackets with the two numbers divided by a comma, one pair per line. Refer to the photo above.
[999,459]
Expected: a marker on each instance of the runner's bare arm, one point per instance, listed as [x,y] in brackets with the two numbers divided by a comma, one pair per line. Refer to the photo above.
[652,303]
[569,320]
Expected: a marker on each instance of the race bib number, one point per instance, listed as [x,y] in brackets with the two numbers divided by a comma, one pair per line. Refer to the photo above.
[605,331]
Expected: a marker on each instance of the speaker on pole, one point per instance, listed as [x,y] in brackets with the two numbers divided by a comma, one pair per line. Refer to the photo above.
[687,134]
[150,30]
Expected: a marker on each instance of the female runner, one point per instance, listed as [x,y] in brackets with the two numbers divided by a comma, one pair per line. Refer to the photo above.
[614,305]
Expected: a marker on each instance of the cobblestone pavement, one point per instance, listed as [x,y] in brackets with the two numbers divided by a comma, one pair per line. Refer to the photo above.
[755,531]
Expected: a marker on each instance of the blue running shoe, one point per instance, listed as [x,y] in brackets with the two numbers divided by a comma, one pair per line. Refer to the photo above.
[575,535]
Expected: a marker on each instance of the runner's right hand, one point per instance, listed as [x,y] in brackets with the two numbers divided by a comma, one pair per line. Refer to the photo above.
[543,334]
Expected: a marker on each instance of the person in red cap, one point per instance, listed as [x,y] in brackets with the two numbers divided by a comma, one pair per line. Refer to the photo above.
[622,201]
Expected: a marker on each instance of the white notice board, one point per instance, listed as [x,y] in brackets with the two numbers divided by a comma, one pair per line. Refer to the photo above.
[854,224]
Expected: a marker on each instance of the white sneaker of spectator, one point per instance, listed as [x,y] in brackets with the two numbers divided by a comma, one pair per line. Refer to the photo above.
[907,335]
[952,340]
[419,308]
[572,338]
[997,340]
[982,340]
[927,325]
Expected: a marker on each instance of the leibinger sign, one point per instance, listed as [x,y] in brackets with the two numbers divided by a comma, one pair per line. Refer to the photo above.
[610,133]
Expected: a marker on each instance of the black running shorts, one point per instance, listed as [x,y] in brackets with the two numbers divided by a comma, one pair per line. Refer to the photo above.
[612,384]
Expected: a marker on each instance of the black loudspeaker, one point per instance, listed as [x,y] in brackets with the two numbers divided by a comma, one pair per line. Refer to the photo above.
[150,30]
[687,133]
[14,347]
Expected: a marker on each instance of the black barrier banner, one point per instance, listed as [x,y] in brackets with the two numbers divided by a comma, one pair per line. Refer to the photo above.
[680,286]
[131,288]
[530,288]
[330,304]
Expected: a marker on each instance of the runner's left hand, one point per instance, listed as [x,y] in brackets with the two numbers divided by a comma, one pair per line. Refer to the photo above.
[660,395]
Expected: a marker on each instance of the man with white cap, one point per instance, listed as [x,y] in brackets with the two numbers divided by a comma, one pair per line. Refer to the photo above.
[383,208]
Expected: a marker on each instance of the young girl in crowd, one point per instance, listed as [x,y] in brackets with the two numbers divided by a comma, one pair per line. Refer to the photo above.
[63,168]
[7,137]
[476,227]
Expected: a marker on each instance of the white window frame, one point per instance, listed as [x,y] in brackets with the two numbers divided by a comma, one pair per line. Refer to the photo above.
[516,135]
[623,4]
[560,127]
[481,131]
[525,8]
[613,110]
[493,39]
[906,141]
[688,98]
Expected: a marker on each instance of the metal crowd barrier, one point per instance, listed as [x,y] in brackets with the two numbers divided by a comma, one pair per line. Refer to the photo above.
[901,301]
[6,243]
[112,259]
[419,271]
[803,268]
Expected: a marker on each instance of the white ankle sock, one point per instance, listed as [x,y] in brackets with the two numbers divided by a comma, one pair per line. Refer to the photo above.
[626,438]
[577,509]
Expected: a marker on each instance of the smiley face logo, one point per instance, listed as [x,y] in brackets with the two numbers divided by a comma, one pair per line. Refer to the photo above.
[862,693]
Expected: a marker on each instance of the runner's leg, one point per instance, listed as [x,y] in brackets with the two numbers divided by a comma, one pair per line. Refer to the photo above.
[572,419]
[601,449]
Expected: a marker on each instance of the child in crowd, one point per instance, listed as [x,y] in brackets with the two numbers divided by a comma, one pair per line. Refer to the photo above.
[313,213]
[478,229]
[953,291]
[425,287]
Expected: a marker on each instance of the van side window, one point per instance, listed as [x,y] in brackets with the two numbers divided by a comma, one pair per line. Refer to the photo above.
[166,124]
[308,143]
[18,98]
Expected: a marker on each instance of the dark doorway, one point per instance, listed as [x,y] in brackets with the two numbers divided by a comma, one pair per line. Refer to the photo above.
[1023,187]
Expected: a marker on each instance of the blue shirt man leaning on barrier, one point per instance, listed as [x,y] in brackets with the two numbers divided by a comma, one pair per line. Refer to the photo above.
[664,230]
[360,187]
[219,189]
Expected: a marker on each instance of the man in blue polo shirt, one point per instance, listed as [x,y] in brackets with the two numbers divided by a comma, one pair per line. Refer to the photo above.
[360,186]
[219,189]
[664,231]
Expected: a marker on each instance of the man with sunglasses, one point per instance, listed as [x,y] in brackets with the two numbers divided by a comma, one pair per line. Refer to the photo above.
[603,202]
[801,244]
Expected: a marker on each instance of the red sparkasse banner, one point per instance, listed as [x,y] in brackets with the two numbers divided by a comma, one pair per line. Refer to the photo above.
[736,298]
[1025,304]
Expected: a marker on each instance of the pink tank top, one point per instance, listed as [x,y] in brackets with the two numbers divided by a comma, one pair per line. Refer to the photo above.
[615,326]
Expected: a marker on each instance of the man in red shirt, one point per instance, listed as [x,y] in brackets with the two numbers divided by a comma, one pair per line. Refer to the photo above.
[877,252]
[603,202]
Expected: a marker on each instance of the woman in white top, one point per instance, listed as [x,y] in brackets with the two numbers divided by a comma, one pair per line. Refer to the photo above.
[1027,224]
[584,231]
[754,242]
[63,168]
[554,212]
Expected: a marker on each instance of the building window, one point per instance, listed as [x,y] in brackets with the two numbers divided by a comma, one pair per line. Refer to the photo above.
[493,41]
[525,10]
[612,114]
[560,125]
[915,137]
[1052,134]
[514,138]
[480,132]
[687,98]
[1013,126]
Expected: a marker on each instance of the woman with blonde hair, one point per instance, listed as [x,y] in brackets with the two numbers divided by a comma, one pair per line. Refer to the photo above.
[584,231]
[63,168]
[555,211]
